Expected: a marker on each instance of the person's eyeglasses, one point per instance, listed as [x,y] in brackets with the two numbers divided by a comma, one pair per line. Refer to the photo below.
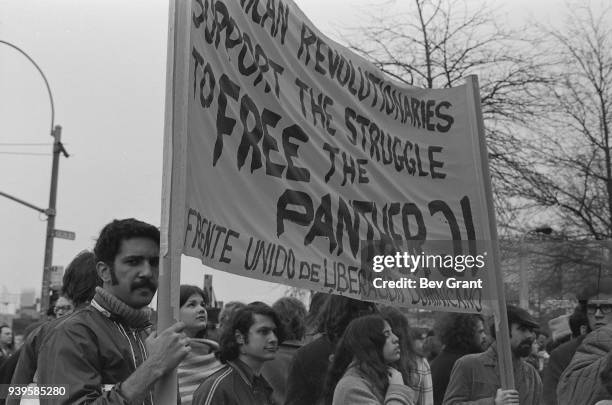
[64,308]
[604,308]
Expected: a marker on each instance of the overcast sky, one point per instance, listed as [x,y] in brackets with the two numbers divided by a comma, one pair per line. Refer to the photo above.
[105,61]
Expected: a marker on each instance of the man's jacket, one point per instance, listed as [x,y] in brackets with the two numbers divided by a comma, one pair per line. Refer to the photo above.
[560,358]
[90,353]
[580,382]
[475,379]
[234,384]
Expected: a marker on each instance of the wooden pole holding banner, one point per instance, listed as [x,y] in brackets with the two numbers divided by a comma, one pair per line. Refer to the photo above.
[502,333]
[173,184]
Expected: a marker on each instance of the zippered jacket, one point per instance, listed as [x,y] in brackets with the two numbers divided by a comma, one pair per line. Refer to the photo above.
[90,353]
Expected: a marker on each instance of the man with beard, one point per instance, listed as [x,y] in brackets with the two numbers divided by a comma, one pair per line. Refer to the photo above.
[580,383]
[460,334]
[249,340]
[99,354]
[475,378]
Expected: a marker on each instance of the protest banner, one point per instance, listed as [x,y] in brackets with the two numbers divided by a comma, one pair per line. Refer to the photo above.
[287,156]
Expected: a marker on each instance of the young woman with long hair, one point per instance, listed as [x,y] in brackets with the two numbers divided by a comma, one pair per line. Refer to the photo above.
[307,372]
[414,368]
[361,372]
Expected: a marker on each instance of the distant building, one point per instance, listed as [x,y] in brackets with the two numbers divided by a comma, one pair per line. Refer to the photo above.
[29,307]
[27,298]
[9,302]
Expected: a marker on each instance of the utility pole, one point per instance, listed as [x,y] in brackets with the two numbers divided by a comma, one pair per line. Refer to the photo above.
[57,149]
[56,133]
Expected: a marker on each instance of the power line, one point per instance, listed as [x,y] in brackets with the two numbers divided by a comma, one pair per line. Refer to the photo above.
[26,153]
[25,144]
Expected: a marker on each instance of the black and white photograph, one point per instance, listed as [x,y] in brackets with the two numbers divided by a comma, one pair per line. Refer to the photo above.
[306,202]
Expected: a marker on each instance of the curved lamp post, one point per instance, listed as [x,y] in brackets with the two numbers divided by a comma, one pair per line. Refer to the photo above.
[58,147]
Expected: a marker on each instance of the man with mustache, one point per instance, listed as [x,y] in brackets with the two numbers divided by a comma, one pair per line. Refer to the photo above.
[580,383]
[475,377]
[99,354]
[250,339]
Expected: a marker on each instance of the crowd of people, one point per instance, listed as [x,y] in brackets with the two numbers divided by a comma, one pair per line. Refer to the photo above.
[102,346]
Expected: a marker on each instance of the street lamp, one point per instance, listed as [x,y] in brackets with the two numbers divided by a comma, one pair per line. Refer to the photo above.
[524,285]
[58,147]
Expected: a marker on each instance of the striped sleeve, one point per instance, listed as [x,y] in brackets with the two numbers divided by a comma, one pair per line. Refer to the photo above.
[192,372]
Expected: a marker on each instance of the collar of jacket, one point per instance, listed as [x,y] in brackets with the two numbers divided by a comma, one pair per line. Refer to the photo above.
[490,358]
[490,355]
[115,309]
[248,376]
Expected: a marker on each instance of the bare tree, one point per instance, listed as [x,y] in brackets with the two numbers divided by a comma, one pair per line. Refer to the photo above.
[567,166]
[547,103]
[437,43]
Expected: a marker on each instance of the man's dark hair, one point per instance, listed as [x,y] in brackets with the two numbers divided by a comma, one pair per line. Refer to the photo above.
[338,312]
[292,314]
[313,318]
[242,321]
[603,285]
[227,313]
[457,331]
[81,279]
[111,236]
[577,319]
[187,291]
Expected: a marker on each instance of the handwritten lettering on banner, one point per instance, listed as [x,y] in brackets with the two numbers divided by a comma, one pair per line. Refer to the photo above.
[299,150]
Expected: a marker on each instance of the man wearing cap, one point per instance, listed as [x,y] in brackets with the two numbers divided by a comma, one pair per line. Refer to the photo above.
[580,383]
[475,378]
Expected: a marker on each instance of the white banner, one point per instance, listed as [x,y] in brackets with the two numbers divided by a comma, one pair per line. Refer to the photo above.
[297,150]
